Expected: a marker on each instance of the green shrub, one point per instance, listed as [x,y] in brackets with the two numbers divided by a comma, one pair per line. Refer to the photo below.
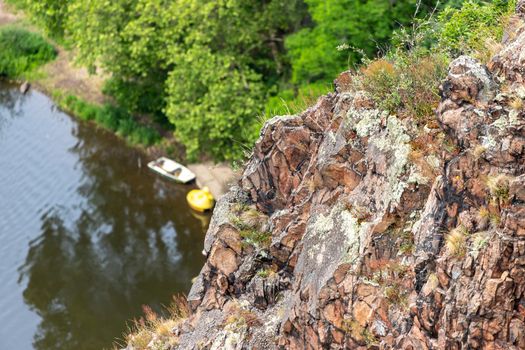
[289,101]
[22,51]
[474,28]
[324,48]
[50,14]
[111,118]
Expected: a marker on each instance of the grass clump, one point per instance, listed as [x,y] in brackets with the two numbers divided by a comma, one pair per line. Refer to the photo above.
[456,242]
[359,332]
[251,224]
[240,317]
[516,104]
[498,187]
[257,239]
[22,51]
[405,82]
[156,332]
[266,273]
[112,118]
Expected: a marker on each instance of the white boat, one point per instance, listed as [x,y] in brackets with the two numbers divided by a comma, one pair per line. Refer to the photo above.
[172,170]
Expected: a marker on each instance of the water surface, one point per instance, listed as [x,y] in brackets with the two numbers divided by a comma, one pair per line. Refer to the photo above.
[88,234]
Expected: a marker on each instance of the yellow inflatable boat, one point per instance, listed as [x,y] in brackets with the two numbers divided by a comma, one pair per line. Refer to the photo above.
[200,200]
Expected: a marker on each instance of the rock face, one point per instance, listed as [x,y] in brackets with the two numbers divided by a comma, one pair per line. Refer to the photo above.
[352,228]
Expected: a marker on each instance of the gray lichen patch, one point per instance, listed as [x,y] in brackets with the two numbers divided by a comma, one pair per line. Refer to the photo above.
[330,239]
[393,141]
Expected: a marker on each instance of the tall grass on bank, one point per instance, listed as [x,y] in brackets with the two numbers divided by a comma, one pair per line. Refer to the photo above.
[22,51]
[112,118]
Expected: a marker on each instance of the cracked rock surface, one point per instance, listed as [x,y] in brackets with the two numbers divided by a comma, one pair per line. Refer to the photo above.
[353,229]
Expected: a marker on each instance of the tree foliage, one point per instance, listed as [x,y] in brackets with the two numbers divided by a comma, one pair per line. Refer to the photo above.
[50,14]
[345,24]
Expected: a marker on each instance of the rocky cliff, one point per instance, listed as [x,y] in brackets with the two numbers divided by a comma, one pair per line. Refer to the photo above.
[352,228]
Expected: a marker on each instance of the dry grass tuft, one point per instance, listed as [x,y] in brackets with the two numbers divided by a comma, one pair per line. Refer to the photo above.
[479,151]
[516,104]
[456,242]
[378,67]
[498,187]
[154,331]
[240,317]
[359,333]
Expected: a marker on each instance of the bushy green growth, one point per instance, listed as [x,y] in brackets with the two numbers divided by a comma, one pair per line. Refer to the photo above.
[112,118]
[405,83]
[205,65]
[289,102]
[49,14]
[256,238]
[473,28]
[345,24]
[149,99]
[22,51]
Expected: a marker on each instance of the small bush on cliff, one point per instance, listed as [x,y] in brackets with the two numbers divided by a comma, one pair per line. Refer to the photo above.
[257,239]
[405,83]
[22,51]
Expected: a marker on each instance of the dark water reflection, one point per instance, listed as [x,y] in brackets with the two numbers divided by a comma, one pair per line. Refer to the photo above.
[86,235]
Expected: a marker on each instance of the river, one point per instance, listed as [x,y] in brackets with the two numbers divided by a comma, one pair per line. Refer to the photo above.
[88,234]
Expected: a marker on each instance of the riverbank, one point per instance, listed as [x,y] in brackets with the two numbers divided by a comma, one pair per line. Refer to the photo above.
[62,78]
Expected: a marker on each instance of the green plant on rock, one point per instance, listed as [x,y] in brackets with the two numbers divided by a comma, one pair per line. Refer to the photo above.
[240,317]
[358,332]
[479,242]
[22,51]
[396,294]
[251,225]
[257,239]
[405,83]
[266,273]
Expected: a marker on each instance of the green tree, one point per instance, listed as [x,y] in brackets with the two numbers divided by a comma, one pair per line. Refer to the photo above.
[365,25]
[231,54]
[50,14]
